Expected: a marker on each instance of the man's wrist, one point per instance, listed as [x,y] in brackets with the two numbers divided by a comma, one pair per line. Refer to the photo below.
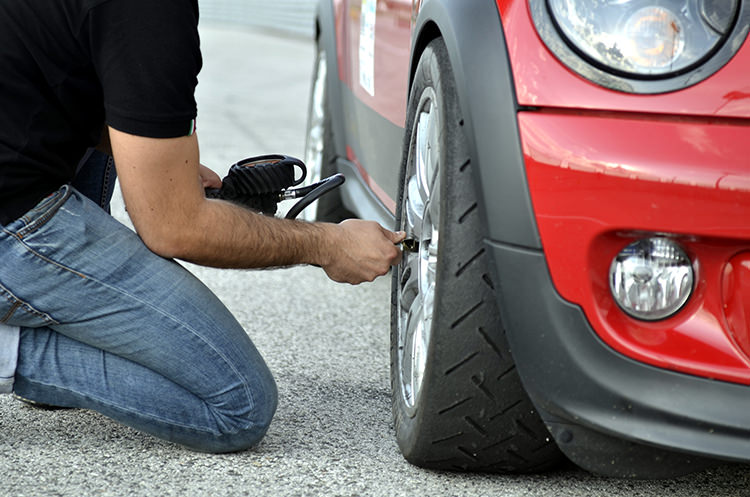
[323,244]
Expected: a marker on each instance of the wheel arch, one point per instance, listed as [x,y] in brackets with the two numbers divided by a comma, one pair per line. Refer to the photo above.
[475,40]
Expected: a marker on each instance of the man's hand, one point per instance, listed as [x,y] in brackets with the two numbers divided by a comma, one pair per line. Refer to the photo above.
[209,179]
[361,251]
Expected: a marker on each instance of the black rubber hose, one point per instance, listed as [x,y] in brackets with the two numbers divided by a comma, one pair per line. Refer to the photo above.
[324,187]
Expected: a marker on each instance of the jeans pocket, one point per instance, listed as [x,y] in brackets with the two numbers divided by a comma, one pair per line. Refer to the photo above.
[40,214]
[16,312]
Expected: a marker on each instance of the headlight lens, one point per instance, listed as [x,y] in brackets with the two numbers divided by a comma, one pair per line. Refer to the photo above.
[651,279]
[647,38]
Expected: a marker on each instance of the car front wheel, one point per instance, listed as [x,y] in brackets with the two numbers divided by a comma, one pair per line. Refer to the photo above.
[458,401]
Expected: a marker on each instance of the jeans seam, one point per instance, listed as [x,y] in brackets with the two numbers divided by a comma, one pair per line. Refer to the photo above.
[132,411]
[10,312]
[45,258]
[192,330]
[16,303]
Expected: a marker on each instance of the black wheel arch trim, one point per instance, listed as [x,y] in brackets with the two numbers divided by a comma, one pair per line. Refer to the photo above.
[574,378]
[473,34]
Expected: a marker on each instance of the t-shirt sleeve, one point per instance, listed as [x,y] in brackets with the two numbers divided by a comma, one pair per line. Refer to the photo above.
[147,56]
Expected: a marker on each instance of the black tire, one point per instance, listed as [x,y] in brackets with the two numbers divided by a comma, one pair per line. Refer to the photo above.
[471,411]
[329,207]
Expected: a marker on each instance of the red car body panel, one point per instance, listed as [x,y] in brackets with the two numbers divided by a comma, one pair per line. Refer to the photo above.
[634,175]
[606,167]
[392,43]
[391,55]
[541,80]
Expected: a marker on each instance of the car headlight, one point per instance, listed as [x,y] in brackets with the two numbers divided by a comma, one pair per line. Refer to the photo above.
[644,38]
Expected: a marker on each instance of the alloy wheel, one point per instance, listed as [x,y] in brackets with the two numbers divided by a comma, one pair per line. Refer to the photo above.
[420,220]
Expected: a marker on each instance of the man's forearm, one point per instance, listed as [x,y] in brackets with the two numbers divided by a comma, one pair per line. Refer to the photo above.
[229,236]
[162,184]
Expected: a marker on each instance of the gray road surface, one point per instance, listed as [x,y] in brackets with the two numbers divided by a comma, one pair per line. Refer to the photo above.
[326,343]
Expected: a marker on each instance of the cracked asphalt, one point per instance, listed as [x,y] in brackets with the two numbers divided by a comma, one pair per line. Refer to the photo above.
[326,343]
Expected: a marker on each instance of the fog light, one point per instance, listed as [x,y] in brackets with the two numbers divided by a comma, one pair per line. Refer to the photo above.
[651,279]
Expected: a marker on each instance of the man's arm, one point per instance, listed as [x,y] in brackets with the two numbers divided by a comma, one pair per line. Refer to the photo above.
[160,181]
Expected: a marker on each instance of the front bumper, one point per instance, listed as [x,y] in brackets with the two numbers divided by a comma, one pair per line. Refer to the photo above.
[598,181]
[576,380]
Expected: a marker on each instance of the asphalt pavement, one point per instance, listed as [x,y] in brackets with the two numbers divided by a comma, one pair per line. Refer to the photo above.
[326,343]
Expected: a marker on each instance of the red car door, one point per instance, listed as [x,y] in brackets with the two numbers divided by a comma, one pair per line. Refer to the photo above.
[373,42]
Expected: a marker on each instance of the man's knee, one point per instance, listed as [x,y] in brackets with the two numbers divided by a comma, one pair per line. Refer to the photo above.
[242,432]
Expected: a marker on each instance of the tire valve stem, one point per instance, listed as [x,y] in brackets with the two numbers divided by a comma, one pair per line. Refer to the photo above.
[410,245]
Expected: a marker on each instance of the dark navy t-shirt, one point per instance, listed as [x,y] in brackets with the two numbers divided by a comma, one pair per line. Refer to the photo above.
[67,67]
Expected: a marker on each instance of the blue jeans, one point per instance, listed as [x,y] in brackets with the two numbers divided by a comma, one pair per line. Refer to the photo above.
[110,326]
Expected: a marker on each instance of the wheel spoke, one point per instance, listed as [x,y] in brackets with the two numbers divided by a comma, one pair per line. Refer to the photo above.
[424,153]
[414,208]
[432,212]
[413,358]
[433,145]
[433,168]
[409,282]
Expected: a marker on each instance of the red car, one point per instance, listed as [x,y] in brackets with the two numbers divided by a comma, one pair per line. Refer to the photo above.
[574,180]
